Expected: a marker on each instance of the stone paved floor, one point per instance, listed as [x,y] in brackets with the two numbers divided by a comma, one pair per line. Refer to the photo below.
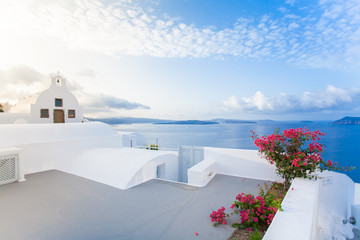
[56,205]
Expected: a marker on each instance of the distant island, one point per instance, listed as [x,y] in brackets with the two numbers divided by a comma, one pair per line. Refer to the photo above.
[306,121]
[237,121]
[131,120]
[265,121]
[127,120]
[348,121]
[192,122]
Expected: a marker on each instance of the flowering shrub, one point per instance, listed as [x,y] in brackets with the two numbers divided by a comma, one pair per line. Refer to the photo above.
[287,153]
[218,217]
[255,212]
[274,194]
[284,150]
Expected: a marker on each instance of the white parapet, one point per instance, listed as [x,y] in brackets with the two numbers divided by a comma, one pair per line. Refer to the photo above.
[296,220]
[241,163]
[334,198]
[91,150]
[201,174]
[315,209]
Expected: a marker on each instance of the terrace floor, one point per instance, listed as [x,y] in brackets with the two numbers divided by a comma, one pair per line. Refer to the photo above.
[57,205]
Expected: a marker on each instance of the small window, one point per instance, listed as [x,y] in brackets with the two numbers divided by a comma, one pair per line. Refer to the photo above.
[58,102]
[44,113]
[71,113]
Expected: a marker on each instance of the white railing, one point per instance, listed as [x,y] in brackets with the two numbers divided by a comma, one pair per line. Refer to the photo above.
[155,148]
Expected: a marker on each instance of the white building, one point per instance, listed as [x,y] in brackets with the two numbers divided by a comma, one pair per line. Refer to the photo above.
[56,105]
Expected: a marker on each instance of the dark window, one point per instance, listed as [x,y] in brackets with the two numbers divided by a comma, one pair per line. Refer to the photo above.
[58,102]
[44,113]
[71,113]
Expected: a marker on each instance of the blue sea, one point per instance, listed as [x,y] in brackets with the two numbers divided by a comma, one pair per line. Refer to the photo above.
[342,142]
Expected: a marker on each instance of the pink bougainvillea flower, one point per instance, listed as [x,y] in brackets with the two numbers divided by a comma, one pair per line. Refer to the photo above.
[196,233]
[295,153]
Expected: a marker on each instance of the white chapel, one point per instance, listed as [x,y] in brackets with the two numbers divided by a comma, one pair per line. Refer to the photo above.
[56,105]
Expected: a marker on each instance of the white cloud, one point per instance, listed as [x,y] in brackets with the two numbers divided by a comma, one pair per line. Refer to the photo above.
[21,85]
[102,101]
[290,2]
[282,9]
[258,101]
[20,81]
[331,98]
[328,37]
[102,106]
[231,102]
[293,25]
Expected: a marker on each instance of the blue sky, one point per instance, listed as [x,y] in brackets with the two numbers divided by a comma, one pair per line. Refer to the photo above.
[187,59]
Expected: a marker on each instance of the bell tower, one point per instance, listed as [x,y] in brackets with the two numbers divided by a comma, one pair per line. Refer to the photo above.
[58,81]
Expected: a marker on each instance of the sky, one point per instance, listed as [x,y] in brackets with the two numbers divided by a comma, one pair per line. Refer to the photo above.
[186,59]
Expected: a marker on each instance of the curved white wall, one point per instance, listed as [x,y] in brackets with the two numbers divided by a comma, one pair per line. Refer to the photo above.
[92,150]
[43,145]
[120,168]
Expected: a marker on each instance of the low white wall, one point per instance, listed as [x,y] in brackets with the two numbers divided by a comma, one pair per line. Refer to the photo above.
[241,163]
[355,208]
[315,209]
[20,134]
[45,156]
[296,221]
[202,173]
[11,118]
[90,150]
[44,145]
[100,159]
[129,139]
[334,197]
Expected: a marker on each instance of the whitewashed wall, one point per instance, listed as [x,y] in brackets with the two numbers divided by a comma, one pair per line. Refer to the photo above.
[119,167]
[43,145]
[234,162]
[334,197]
[90,150]
[10,118]
[296,220]
[20,134]
[315,209]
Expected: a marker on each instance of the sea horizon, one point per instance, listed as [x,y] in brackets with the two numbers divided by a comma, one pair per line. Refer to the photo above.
[340,141]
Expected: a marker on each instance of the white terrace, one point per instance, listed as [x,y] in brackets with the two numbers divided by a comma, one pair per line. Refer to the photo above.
[77,181]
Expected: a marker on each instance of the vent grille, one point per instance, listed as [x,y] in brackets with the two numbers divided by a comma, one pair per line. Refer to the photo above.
[8,169]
